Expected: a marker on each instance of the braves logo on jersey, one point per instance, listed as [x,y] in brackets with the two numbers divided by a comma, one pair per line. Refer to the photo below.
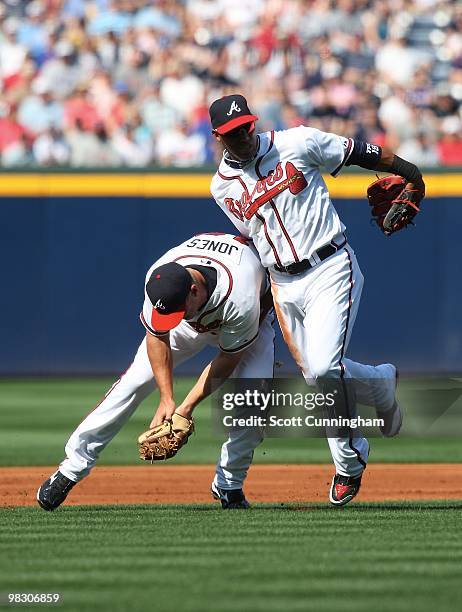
[266,189]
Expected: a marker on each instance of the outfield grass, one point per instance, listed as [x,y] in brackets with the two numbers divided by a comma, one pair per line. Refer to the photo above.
[365,557]
[37,417]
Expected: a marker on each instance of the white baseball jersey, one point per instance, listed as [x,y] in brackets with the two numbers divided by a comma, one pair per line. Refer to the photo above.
[280,199]
[233,310]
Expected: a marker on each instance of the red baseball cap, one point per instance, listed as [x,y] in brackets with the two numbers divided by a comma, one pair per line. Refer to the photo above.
[167,288]
[230,112]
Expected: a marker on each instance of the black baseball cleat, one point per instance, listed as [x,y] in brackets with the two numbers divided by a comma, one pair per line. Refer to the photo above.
[54,491]
[231,499]
[343,489]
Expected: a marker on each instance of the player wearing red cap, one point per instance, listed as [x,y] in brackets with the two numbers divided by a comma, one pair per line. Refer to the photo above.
[271,187]
[210,290]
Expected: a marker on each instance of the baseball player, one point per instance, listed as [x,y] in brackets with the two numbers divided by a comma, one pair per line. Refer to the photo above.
[270,186]
[209,290]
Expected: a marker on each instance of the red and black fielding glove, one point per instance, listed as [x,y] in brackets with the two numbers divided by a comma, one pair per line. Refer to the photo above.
[393,206]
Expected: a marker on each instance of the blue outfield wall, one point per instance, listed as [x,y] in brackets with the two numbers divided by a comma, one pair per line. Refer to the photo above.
[73,270]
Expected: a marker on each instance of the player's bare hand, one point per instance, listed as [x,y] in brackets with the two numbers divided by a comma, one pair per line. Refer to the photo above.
[164,411]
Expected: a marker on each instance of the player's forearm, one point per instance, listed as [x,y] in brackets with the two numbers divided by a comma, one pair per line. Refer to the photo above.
[389,162]
[160,358]
[217,372]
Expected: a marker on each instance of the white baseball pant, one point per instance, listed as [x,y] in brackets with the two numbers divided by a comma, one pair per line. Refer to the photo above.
[123,398]
[316,312]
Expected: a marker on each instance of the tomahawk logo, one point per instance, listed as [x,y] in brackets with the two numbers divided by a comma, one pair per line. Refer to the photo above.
[268,187]
[232,108]
[158,305]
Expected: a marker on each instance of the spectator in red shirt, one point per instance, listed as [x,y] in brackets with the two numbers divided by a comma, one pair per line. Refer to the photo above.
[11,131]
[79,108]
[450,150]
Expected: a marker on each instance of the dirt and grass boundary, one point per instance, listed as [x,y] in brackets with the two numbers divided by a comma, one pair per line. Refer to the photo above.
[167,484]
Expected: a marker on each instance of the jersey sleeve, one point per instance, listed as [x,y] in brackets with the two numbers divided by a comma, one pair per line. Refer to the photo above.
[326,150]
[219,199]
[240,331]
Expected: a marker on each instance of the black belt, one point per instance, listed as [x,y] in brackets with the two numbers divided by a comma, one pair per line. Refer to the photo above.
[301,266]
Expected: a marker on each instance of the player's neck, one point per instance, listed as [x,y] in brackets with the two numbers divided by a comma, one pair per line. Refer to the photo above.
[234,162]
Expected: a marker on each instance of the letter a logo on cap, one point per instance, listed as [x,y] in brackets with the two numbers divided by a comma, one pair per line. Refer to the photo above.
[233,107]
[230,112]
[159,304]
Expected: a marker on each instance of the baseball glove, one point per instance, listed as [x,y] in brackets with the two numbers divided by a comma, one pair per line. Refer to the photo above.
[164,441]
[392,205]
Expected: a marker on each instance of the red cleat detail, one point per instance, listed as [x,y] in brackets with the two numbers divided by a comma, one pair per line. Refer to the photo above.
[341,490]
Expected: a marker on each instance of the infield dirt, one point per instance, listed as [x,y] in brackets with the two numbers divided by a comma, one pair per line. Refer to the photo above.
[164,484]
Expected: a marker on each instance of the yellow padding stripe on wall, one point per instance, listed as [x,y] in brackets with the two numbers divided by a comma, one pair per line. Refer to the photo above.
[182,185]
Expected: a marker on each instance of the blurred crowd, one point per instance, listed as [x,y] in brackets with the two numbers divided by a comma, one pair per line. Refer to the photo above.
[128,82]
